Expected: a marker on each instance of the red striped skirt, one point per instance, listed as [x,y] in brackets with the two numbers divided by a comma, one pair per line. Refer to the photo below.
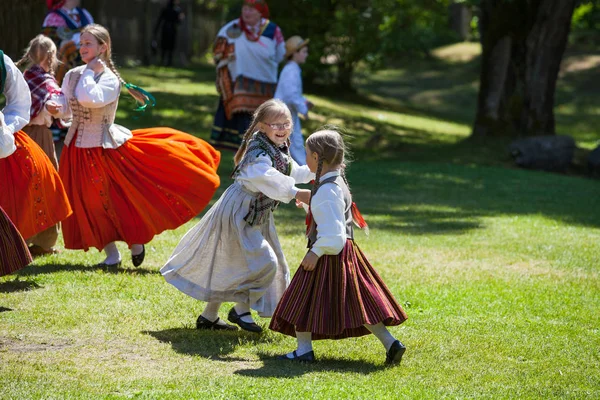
[14,254]
[157,180]
[336,299]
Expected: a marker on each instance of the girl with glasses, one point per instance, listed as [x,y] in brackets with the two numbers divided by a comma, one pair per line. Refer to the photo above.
[233,253]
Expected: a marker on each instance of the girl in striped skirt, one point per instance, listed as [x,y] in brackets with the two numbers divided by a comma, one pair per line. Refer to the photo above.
[335,293]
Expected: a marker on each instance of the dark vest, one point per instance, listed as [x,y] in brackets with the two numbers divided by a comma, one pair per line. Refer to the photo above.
[2,72]
[312,229]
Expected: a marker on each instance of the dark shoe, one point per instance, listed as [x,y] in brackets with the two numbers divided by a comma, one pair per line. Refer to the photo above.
[38,251]
[306,357]
[105,265]
[247,326]
[395,353]
[203,323]
[139,259]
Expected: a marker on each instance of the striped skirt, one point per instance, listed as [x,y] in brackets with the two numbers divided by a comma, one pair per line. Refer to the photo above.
[14,254]
[336,299]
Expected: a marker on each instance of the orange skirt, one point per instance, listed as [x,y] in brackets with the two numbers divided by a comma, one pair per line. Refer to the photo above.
[31,192]
[158,180]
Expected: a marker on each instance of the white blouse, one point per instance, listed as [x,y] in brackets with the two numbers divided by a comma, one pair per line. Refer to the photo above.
[289,88]
[92,94]
[45,118]
[18,98]
[261,176]
[327,207]
[7,139]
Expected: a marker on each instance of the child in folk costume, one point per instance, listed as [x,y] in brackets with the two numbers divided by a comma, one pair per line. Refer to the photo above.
[31,192]
[45,106]
[233,253]
[125,186]
[63,25]
[289,90]
[14,254]
[335,293]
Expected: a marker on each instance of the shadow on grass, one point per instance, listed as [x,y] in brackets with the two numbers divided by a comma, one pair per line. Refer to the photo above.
[4,309]
[68,267]
[17,285]
[273,368]
[214,345]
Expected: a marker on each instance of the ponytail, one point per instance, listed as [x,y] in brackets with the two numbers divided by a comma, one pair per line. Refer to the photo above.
[142,97]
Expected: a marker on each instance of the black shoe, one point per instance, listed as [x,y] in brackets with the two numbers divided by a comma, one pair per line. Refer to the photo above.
[237,319]
[203,323]
[306,357]
[395,353]
[139,259]
[105,265]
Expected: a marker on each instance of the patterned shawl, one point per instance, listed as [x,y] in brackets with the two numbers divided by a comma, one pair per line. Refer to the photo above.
[41,85]
[259,145]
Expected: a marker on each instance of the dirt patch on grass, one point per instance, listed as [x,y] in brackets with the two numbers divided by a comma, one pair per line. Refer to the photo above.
[17,345]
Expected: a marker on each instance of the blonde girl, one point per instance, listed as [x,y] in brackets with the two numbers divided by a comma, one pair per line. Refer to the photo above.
[47,103]
[335,293]
[233,253]
[123,185]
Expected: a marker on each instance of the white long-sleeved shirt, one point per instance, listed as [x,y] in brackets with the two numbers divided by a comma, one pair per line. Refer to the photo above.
[18,98]
[327,207]
[45,118]
[261,176]
[289,88]
[16,111]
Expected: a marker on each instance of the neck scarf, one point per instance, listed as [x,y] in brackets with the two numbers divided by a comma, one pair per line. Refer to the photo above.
[41,85]
[260,145]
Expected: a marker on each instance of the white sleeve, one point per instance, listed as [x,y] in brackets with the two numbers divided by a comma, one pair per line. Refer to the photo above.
[327,208]
[261,176]
[66,111]
[290,91]
[301,173]
[92,94]
[7,139]
[18,98]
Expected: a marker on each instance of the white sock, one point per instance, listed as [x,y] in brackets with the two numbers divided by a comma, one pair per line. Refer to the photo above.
[382,333]
[112,253]
[241,308]
[304,344]
[136,249]
[211,312]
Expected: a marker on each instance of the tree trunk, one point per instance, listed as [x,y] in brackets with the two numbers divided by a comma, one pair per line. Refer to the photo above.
[20,21]
[523,42]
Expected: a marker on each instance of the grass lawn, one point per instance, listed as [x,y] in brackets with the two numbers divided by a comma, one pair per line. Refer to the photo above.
[498,269]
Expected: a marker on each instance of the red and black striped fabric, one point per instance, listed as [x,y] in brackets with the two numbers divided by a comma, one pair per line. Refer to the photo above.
[14,254]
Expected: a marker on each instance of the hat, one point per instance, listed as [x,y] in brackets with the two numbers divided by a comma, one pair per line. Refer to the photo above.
[260,5]
[294,44]
[55,4]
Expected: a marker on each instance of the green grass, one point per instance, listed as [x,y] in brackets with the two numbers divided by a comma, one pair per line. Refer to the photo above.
[496,267]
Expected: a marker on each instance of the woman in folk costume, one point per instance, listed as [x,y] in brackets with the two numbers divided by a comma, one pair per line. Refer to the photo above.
[233,253]
[63,24]
[289,90]
[247,52]
[46,98]
[14,254]
[336,293]
[31,191]
[125,186]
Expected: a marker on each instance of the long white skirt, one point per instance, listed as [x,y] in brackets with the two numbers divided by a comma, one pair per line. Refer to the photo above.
[223,258]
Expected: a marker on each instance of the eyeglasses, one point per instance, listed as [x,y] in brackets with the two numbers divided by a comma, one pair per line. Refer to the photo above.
[279,127]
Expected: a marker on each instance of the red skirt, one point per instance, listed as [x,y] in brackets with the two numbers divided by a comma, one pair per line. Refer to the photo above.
[14,254]
[31,191]
[157,180]
[336,299]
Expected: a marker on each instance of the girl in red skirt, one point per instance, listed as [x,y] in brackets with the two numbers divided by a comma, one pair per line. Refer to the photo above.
[335,293]
[31,192]
[14,254]
[125,186]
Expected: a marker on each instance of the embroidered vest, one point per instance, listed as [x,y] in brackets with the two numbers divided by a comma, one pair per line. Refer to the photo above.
[311,229]
[83,18]
[95,127]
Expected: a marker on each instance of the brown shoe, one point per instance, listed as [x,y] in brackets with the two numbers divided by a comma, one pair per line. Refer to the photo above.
[38,251]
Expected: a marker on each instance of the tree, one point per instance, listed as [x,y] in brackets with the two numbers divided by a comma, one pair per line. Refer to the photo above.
[523,42]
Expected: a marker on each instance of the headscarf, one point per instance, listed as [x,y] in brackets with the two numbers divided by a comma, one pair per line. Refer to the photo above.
[260,5]
[54,4]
